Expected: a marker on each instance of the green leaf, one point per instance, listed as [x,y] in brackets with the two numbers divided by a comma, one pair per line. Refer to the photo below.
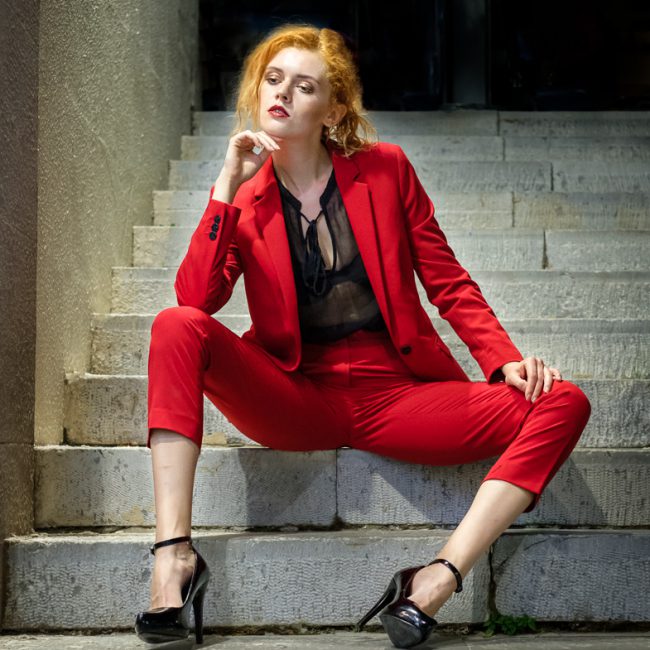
[509,625]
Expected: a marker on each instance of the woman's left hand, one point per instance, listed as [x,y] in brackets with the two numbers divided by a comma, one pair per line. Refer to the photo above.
[530,376]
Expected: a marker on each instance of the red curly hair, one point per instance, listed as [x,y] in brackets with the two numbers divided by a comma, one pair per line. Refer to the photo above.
[342,75]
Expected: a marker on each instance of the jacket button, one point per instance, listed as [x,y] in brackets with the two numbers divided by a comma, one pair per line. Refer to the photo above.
[406,349]
[215,227]
[213,236]
[217,219]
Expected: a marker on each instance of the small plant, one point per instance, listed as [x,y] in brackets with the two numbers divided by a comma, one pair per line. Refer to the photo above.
[509,624]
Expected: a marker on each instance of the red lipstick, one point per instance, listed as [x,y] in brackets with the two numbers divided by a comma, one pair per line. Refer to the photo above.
[278,111]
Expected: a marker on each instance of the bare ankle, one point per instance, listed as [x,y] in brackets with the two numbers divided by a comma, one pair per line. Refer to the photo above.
[438,576]
[175,552]
[431,588]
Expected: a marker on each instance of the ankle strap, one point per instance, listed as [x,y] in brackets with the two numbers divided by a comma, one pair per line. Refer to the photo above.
[454,570]
[169,542]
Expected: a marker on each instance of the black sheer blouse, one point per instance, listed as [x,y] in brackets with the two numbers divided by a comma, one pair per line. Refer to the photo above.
[332,303]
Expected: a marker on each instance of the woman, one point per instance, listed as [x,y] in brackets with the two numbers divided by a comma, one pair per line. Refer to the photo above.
[327,228]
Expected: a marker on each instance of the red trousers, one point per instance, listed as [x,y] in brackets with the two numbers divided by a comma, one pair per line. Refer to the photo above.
[355,392]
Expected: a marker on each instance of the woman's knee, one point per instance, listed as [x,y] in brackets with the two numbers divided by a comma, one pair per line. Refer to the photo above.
[178,326]
[572,393]
[172,319]
[577,396]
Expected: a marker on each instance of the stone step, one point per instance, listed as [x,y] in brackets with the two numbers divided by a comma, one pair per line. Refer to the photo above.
[554,210]
[435,147]
[510,249]
[614,250]
[475,122]
[453,176]
[336,576]
[473,147]
[585,348]
[455,122]
[258,486]
[112,410]
[511,294]
[300,639]
[463,176]
[554,149]
[576,210]
[611,149]
[581,176]
[487,249]
[574,123]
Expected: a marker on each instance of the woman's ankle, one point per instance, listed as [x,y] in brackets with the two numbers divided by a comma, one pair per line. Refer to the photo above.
[431,588]
[181,551]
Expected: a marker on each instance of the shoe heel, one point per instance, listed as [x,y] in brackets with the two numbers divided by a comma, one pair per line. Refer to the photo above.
[197,605]
[388,595]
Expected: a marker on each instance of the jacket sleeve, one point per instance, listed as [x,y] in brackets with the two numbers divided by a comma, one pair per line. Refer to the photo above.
[448,285]
[207,275]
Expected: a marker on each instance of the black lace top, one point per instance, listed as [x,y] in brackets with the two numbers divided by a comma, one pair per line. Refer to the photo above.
[332,303]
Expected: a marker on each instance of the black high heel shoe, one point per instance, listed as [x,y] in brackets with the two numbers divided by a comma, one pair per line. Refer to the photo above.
[404,622]
[172,623]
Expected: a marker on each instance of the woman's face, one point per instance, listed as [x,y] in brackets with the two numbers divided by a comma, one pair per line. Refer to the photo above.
[295,80]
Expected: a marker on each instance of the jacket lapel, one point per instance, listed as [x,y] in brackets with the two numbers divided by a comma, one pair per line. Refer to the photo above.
[270,222]
[356,198]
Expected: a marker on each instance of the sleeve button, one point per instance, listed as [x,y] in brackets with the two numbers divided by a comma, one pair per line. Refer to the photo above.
[213,236]
[215,227]
[406,349]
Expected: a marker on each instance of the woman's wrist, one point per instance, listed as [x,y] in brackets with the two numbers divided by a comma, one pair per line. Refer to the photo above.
[505,365]
[225,188]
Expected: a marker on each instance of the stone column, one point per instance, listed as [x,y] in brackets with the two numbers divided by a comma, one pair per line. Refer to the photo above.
[18,221]
[117,84]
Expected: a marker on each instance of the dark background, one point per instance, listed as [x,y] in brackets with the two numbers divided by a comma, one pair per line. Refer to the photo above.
[426,55]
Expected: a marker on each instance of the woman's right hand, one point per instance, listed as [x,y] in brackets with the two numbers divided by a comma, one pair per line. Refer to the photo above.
[240,163]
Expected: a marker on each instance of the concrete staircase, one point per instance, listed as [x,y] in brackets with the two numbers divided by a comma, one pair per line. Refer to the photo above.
[550,213]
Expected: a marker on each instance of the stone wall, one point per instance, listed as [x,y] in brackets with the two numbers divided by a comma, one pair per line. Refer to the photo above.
[117,82]
[18,214]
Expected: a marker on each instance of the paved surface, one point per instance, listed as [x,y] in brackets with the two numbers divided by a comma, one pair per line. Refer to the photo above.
[338,640]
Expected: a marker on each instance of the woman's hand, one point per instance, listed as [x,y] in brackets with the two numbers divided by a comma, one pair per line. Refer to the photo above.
[240,163]
[530,376]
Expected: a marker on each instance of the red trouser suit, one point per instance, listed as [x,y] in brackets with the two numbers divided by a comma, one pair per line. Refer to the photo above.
[367,391]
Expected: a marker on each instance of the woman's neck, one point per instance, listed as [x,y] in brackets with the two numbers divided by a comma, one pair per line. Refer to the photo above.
[300,165]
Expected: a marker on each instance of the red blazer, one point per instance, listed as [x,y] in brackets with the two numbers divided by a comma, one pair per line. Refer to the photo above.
[393,222]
